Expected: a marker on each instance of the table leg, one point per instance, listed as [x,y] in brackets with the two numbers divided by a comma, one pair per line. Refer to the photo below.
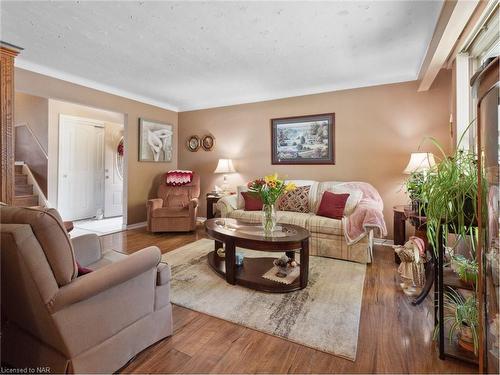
[230,262]
[399,231]
[218,245]
[304,263]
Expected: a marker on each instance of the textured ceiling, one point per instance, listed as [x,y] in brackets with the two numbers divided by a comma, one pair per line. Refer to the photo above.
[189,55]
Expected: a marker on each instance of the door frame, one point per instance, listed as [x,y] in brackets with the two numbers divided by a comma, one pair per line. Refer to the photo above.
[124,166]
[53,152]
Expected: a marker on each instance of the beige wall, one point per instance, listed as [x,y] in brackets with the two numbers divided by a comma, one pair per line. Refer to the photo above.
[33,111]
[57,108]
[376,130]
[142,177]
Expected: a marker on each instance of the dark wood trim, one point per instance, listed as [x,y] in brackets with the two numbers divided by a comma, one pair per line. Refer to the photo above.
[274,160]
[486,80]
[7,57]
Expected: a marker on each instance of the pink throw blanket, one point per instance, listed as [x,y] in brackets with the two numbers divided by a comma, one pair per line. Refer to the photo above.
[367,215]
[178,177]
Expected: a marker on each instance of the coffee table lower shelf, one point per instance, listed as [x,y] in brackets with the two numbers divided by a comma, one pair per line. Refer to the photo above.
[250,274]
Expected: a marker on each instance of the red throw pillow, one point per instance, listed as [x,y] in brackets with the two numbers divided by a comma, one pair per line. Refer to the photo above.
[252,201]
[82,270]
[332,205]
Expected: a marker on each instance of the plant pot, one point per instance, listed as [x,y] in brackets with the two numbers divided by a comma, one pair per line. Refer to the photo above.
[470,219]
[465,339]
[418,207]
[468,277]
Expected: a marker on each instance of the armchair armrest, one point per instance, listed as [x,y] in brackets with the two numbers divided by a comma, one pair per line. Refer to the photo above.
[153,204]
[163,274]
[87,249]
[194,202]
[227,204]
[105,278]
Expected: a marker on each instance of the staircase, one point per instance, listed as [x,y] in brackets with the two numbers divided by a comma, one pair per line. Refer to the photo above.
[23,192]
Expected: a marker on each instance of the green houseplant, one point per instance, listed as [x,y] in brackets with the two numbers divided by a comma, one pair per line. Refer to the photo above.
[451,192]
[413,186]
[466,269]
[462,316]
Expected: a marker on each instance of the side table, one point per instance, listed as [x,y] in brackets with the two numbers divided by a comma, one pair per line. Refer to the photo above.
[399,227]
[405,213]
[211,200]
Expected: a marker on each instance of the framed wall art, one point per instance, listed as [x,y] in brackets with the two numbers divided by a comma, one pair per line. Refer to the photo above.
[193,143]
[303,139]
[208,142]
[155,141]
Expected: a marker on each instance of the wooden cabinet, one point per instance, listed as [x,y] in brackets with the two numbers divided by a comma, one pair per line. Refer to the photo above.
[7,55]
[487,87]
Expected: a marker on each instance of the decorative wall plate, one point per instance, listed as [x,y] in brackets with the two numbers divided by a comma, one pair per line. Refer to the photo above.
[193,143]
[208,142]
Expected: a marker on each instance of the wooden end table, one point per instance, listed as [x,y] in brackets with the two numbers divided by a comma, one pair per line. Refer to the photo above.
[234,233]
[211,200]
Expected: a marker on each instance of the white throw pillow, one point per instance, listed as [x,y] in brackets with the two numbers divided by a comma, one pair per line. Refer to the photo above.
[241,201]
[355,196]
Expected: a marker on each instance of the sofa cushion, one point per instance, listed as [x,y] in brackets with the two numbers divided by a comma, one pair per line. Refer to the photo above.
[295,218]
[252,201]
[48,228]
[240,200]
[248,216]
[325,225]
[332,205]
[355,196]
[296,200]
[283,217]
[170,212]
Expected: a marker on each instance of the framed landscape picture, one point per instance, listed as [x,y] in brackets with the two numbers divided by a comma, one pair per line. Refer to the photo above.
[303,139]
[155,141]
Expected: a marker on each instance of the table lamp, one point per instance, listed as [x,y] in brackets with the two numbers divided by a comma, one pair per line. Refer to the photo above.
[225,166]
[420,162]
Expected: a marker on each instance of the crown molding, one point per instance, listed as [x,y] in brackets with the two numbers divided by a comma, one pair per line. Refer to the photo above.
[36,68]
[288,94]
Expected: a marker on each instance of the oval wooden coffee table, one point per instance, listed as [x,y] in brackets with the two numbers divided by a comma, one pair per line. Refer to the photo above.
[234,233]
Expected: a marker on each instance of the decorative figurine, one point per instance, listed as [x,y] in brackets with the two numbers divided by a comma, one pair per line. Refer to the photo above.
[411,270]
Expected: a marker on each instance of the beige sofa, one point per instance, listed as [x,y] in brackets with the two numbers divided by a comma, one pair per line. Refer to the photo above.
[94,323]
[327,235]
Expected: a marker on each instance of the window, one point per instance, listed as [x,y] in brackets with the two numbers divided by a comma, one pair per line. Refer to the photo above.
[483,44]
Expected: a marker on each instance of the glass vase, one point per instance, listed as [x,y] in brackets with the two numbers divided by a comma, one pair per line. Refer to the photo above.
[269,218]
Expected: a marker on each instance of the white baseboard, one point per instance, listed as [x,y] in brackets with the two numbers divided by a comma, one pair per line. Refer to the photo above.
[137,225]
[383,241]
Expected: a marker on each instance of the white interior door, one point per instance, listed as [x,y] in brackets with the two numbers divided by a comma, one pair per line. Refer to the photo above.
[113,175]
[81,168]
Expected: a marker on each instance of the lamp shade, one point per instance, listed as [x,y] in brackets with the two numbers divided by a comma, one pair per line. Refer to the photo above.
[225,166]
[419,162]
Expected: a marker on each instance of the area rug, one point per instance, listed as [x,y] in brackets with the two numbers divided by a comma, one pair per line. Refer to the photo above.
[323,316]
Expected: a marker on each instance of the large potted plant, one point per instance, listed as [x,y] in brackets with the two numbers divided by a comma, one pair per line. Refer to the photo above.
[269,189]
[451,192]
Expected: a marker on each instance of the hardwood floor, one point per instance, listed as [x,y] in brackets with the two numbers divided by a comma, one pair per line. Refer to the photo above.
[394,336]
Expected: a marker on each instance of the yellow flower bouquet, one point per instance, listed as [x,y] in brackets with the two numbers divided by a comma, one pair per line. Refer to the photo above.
[269,189]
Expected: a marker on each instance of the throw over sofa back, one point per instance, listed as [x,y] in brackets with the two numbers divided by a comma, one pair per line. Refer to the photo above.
[179,196]
[48,228]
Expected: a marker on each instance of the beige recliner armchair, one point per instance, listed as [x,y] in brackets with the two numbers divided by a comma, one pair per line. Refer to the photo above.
[175,209]
[53,318]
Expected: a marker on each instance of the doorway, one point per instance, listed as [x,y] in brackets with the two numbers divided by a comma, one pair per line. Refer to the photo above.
[90,170]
